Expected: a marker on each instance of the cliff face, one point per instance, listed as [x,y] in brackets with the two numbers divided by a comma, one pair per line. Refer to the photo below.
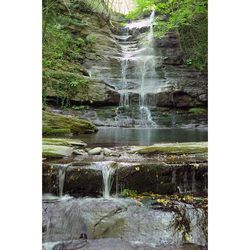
[81,63]
[75,39]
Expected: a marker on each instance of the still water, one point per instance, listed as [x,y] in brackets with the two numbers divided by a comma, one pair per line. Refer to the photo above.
[143,136]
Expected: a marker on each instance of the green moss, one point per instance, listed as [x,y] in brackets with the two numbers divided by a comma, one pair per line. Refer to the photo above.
[55,131]
[172,150]
[62,142]
[129,193]
[50,154]
[197,110]
[53,123]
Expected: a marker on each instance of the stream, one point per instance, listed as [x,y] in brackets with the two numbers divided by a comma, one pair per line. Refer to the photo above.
[87,206]
[115,136]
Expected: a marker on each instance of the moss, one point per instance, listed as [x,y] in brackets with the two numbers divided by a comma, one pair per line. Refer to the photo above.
[55,131]
[172,150]
[129,193]
[53,123]
[62,142]
[56,151]
[51,154]
[197,110]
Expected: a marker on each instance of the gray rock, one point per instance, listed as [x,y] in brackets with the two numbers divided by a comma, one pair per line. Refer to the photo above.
[107,152]
[54,151]
[80,152]
[95,151]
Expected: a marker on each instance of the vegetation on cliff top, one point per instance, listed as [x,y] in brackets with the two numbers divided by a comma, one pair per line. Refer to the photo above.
[188,17]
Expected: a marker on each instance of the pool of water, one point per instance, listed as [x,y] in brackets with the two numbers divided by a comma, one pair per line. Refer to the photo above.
[143,136]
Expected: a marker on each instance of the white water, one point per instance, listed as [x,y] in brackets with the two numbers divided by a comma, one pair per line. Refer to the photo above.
[107,174]
[141,53]
[61,176]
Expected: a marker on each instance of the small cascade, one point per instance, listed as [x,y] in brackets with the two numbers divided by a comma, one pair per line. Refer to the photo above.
[61,176]
[107,174]
[139,55]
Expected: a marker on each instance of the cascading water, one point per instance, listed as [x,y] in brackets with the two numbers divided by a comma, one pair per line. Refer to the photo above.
[124,98]
[141,55]
[107,173]
[61,176]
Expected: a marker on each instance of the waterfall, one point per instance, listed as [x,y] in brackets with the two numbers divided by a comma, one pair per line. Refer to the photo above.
[61,176]
[140,54]
[107,173]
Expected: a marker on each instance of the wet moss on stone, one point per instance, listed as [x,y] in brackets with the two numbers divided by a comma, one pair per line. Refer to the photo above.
[60,124]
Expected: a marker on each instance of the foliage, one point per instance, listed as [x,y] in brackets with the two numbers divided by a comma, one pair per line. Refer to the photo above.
[63,52]
[129,193]
[188,17]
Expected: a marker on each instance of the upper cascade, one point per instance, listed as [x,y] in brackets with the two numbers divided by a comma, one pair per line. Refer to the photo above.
[138,56]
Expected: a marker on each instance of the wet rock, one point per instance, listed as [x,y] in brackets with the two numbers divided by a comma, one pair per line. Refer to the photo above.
[95,151]
[63,142]
[121,218]
[61,124]
[107,152]
[80,152]
[114,244]
[54,151]
[143,177]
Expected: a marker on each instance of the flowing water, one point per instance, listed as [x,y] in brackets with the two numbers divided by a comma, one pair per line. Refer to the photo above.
[107,174]
[61,176]
[139,54]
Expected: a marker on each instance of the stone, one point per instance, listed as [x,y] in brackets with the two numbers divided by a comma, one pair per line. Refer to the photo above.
[55,123]
[95,151]
[107,152]
[64,142]
[80,152]
[119,218]
[55,151]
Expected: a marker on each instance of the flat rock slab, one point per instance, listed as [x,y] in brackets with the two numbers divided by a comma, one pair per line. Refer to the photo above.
[63,142]
[55,151]
[172,148]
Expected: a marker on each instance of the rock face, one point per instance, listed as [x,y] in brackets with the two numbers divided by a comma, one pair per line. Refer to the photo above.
[169,48]
[156,178]
[120,218]
[178,85]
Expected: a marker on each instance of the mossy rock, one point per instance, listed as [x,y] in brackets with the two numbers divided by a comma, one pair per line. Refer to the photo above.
[197,110]
[54,124]
[63,142]
[55,151]
[175,148]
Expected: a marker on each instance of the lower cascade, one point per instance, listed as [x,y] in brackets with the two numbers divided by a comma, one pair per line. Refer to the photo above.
[107,174]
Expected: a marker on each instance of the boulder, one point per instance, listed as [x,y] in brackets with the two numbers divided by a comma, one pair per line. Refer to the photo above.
[54,124]
[107,151]
[95,151]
